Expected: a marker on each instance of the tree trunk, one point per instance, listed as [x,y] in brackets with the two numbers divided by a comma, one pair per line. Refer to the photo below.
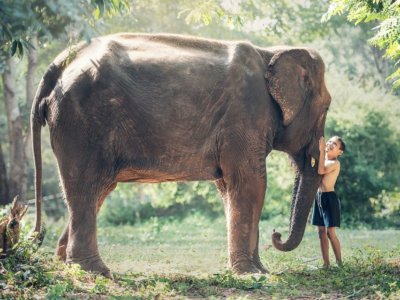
[18,178]
[4,196]
[31,88]
[382,67]
[30,76]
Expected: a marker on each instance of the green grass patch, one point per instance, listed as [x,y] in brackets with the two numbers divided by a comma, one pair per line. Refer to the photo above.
[187,258]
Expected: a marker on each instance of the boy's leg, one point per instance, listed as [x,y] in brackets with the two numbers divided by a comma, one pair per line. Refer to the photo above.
[323,239]
[335,244]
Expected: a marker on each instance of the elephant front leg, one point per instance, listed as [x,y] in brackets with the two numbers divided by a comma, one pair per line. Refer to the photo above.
[256,257]
[243,200]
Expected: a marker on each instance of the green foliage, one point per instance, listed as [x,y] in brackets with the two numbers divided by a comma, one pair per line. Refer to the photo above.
[21,20]
[131,203]
[20,271]
[367,273]
[369,165]
[58,290]
[108,8]
[206,12]
[280,178]
[386,207]
[384,12]
[183,263]
[228,279]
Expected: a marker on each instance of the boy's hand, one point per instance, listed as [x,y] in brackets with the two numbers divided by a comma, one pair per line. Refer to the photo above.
[322,144]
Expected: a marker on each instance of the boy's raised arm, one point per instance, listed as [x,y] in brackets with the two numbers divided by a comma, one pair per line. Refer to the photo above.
[324,168]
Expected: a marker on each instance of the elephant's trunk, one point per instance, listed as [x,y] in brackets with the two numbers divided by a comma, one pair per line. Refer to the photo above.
[305,188]
[294,193]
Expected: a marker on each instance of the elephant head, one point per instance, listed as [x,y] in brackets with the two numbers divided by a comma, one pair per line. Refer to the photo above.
[295,79]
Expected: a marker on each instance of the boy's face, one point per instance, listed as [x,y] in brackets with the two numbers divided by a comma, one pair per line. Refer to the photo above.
[332,148]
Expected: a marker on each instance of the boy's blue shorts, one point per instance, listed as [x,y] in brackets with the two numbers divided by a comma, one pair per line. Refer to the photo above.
[326,210]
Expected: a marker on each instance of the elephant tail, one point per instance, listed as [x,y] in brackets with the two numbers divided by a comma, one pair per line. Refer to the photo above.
[38,119]
[39,116]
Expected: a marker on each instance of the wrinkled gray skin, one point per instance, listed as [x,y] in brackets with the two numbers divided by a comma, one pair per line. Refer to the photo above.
[156,108]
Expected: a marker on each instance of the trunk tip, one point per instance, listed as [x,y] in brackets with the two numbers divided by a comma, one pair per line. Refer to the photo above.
[276,240]
[288,245]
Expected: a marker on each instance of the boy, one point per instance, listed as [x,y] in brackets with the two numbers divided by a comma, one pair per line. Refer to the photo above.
[327,205]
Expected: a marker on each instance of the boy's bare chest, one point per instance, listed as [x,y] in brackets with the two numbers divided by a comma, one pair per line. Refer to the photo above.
[329,180]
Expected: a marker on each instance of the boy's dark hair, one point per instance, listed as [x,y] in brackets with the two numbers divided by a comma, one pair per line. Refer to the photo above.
[342,144]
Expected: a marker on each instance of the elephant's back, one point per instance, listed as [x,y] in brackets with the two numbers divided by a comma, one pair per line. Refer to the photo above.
[130,87]
[140,63]
[138,49]
[169,45]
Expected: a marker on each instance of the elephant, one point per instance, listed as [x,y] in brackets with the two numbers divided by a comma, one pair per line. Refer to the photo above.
[149,108]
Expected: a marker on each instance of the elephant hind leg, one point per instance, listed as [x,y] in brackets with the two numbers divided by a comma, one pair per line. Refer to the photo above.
[63,240]
[82,245]
[62,244]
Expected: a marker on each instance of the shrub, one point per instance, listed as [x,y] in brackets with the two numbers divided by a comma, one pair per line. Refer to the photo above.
[160,200]
[369,166]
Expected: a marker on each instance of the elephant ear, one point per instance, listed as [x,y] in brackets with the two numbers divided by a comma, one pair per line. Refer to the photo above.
[288,80]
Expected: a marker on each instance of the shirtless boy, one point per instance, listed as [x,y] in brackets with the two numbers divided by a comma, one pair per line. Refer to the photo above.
[326,213]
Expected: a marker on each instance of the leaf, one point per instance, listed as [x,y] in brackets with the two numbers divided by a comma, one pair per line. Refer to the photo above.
[13,47]
[206,17]
[387,13]
[262,278]
[96,13]
[20,49]
[334,9]
[101,6]
[99,9]
[6,31]
[28,45]
[396,85]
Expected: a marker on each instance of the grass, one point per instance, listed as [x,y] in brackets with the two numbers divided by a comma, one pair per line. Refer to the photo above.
[187,259]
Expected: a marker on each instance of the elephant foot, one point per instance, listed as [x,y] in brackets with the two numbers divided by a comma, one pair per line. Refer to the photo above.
[243,264]
[61,253]
[260,266]
[244,267]
[92,264]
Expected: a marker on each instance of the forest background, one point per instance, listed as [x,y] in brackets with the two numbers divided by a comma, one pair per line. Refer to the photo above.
[364,110]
